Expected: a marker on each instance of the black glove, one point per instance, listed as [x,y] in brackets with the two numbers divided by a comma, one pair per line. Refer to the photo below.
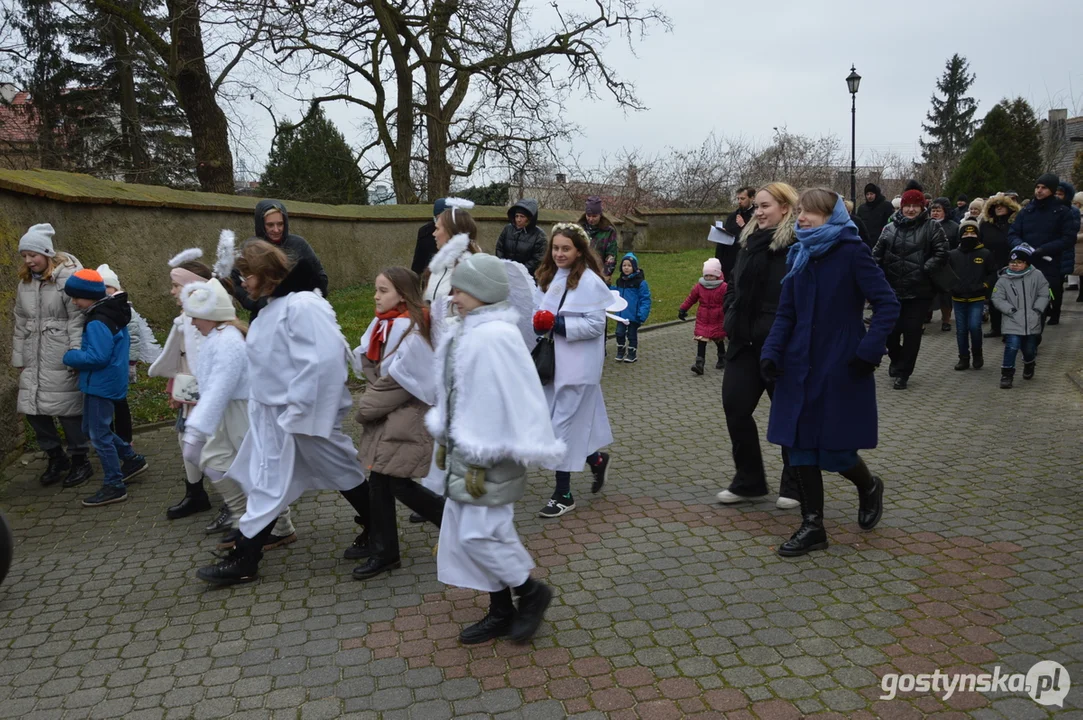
[769,371]
[861,367]
[682,314]
[559,327]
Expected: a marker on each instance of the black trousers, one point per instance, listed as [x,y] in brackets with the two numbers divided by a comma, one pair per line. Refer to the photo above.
[907,329]
[1058,298]
[742,388]
[48,436]
[384,528]
[122,420]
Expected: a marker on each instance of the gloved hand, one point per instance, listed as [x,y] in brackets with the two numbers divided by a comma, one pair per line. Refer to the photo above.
[193,449]
[769,371]
[861,367]
[682,314]
[475,481]
[543,321]
[558,326]
[441,457]
[133,373]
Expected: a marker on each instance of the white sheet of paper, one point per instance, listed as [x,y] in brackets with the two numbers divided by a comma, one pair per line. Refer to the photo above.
[717,235]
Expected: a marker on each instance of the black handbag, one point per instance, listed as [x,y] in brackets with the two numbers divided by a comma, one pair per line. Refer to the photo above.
[545,352]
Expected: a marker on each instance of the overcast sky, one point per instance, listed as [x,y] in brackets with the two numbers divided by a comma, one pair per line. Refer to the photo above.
[739,69]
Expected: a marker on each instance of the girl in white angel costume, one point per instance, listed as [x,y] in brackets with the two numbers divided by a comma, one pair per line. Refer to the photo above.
[572,303]
[295,410]
[491,420]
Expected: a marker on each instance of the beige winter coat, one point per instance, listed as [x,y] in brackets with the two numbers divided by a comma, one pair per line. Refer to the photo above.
[394,440]
[47,325]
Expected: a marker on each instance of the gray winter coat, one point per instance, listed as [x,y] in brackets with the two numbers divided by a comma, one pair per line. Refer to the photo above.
[526,246]
[1022,299]
[505,482]
[47,325]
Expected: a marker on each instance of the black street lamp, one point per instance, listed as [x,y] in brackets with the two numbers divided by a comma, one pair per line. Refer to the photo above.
[853,81]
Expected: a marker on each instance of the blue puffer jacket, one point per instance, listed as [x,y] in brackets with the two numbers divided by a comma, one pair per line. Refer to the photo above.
[1067,260]
[635,290]
[1049,227]
[102,359]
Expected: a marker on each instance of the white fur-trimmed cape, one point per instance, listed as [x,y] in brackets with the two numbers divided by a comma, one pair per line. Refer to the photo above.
[222,376]
[500,408]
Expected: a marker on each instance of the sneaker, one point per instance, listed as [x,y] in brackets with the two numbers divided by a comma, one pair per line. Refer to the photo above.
[785,503]
[557,506]
[600,472]
[620,353]
[277,541]
[132,466]
[108,495]
[728,498]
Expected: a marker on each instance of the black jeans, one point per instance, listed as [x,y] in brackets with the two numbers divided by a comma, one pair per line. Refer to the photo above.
[384,528]
[742,388]
[49,438]
[1058,298]
[907,329]
[629,331]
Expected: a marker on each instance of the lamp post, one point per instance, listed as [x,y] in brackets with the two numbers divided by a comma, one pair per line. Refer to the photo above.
[853,81]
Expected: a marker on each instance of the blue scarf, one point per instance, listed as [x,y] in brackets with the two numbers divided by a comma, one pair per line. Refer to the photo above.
[814,242]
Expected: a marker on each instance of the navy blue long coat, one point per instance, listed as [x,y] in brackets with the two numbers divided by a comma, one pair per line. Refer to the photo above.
[819,402]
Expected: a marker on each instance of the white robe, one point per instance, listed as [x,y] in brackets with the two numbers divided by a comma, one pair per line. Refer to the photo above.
[299,360]
[576,405]
[221,416]
[180,356]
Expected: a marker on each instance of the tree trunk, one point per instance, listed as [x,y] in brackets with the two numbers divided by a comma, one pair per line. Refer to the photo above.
[131,128]
[195,93]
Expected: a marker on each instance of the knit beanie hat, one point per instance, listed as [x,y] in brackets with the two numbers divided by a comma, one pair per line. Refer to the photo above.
[712,267]
[941,202]
[872,188]
[86,284]
[109,277]
[1022,252]
[1050,180]
[208,301]
[594,205]
[962,198]
[38,239]
[482,276]
[1078,198]
[912,184]
[968,228]
[913,197]
[439,207]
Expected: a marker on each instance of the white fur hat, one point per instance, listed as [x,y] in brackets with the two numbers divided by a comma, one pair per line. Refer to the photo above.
[109,277]
[208,301]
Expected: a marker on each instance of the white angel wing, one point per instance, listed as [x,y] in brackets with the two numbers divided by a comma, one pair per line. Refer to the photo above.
[521,298]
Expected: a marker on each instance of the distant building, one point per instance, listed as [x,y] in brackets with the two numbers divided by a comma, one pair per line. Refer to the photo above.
[381,194]
[1062,138]
[18,130]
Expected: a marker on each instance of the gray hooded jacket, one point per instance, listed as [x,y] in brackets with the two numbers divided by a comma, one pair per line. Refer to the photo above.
[1022,299]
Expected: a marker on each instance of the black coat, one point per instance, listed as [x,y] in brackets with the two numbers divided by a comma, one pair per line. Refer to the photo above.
[875,215]
[526,246]
[1049,227]
[993,234]
[975,272]
[754,289]
[425,248]
[951,232]
[909,251]
[727,254]
[862,230]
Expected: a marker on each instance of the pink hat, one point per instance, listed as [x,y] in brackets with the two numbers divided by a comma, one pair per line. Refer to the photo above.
[712,267]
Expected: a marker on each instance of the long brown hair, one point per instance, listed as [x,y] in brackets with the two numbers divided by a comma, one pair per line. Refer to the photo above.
[586,260]
[55,261]
[266,263]
[459,221]
[408,286]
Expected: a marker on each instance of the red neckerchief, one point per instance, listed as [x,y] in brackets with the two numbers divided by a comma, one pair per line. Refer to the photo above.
[382,330]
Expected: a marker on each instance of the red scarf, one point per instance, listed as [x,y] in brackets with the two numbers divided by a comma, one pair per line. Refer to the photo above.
[382,330]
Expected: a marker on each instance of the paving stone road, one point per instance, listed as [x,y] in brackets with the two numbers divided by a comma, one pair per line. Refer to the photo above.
[668,605]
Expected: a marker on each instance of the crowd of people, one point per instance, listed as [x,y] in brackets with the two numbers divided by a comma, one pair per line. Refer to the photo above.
[479,366]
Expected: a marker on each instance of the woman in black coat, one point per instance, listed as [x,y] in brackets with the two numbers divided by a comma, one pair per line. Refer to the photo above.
[996,221]
[750,303]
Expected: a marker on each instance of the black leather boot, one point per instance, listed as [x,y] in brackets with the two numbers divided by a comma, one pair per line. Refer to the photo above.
[496,623]
[383,540]
[870,494]
[1028,370]
[979,360]
[241,565]
[80,472]
[698,367]
[222,521]
[359,499]
[58,468]
[1006,375]
[811,535]
[964,363]
[534,599]
[195,500]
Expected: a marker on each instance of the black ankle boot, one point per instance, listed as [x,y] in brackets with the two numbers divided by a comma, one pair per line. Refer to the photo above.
[534,599]
[810,536]
[497,623]
[1028,370]
[359,549]
[241,565]
[58,468]
[870,505]
[80,472]
[375,566]
[964,363]
[195,500]
[698,367]
[979,360]
[1006,375]
[222,521]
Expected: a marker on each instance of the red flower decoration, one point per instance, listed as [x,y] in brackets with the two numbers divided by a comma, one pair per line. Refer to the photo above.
[544,321]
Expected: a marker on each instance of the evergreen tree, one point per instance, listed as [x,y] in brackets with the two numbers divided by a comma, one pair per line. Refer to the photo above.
[1012,130]
[40,25]
[492,194]
[312,162]
[979,173]
[951,119]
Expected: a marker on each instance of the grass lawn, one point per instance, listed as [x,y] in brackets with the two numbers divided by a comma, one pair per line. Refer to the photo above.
[670,276]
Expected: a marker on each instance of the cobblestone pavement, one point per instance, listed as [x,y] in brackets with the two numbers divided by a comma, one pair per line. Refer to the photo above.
[668,605]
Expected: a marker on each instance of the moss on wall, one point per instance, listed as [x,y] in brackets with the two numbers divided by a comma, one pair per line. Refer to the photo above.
[10,428]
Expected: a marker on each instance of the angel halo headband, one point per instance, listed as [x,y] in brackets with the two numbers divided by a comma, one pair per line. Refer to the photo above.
[460,203]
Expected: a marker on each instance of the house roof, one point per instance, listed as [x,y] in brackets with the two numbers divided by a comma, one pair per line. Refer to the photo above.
[16,122]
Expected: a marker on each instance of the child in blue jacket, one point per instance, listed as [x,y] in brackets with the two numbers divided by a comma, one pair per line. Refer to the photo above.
[633,288]
[102,362]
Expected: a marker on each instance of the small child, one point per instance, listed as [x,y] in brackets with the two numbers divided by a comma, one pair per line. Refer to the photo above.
[102,362]
[1021,294]
[487,433]
[709,293]
[975,273]
[634,289]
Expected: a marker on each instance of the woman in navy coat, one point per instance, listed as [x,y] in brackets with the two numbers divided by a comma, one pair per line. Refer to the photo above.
[822,360]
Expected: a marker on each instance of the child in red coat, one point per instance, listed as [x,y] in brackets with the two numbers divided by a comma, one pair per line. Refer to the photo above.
[708,292]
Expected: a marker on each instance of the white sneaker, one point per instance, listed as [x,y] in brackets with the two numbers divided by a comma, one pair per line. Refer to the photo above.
[785,503]
[727,498]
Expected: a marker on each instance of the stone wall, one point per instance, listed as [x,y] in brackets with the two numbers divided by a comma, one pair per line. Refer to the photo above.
[137,228]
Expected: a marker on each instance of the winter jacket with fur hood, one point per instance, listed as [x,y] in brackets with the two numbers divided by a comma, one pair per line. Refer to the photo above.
[754,287]
[993,230]
[909,251]
[1022,299]
[526,246]
[47,325]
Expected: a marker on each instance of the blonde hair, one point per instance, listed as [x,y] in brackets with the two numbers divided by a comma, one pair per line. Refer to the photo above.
[26,275]
[587,259]
[785,195]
